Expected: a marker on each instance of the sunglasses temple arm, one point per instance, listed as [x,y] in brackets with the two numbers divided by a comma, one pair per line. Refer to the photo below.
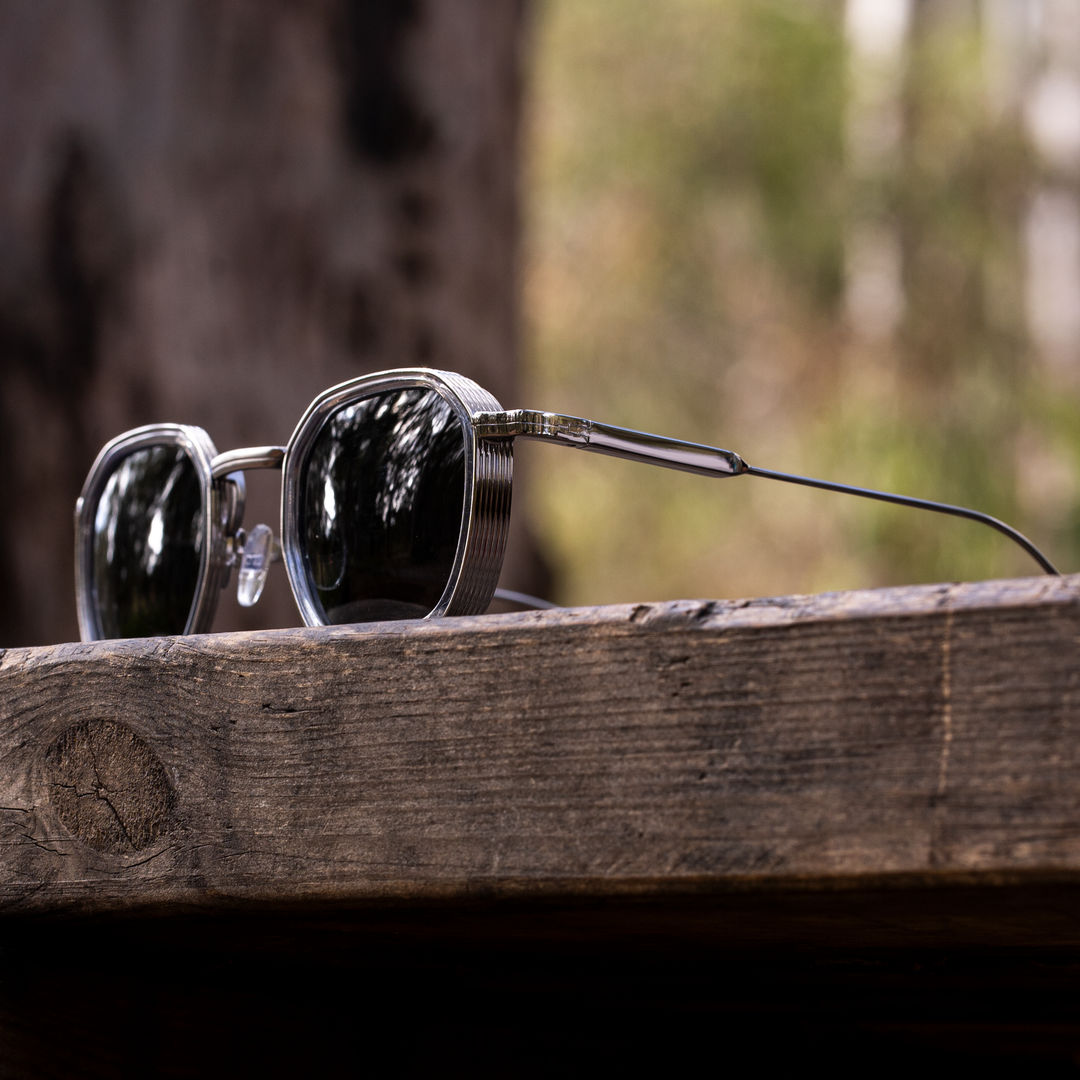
[704,460]
[604,439]
[919,504]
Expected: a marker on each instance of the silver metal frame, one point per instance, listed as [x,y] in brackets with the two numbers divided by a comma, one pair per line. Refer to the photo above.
[613,441]
[489,467]
[221,505]
[485,520]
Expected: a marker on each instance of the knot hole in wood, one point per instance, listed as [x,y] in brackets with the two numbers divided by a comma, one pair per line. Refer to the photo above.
[108,788]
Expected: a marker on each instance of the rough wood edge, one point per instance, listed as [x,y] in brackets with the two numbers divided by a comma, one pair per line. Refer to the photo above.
[764,612]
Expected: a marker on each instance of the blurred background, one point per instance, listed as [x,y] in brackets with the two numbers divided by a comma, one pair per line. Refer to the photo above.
[841,237]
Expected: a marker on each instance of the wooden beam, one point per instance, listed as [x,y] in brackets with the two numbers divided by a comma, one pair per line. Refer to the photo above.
[920,738]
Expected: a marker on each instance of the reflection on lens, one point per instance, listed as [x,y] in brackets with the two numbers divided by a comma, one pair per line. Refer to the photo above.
[382,497]
[148,530]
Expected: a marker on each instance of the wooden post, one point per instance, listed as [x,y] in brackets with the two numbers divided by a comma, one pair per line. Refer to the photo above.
[712,803]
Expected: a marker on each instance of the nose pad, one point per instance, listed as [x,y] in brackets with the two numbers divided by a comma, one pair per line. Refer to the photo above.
[255,562]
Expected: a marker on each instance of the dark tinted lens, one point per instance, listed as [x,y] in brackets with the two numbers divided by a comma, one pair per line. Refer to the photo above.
[148,530]
[382,494]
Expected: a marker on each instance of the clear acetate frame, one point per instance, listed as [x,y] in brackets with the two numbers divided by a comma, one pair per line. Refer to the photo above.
[488,433]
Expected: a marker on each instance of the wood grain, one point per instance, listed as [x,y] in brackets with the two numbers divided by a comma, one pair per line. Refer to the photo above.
[928,734]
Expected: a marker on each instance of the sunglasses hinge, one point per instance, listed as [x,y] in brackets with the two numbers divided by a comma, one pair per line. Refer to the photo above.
[530,424]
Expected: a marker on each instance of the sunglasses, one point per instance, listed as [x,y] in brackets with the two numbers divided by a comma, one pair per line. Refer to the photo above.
[395,504]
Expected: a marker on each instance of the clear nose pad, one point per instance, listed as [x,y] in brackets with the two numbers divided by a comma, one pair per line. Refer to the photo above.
[255,562]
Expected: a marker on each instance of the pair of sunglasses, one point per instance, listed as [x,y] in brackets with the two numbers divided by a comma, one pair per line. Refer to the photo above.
[395,504]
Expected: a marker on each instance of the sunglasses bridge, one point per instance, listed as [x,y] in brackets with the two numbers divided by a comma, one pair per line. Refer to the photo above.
[252,552]
[251,457]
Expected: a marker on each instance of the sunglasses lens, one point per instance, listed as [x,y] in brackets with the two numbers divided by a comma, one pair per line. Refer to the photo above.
[148,530]
[382,497]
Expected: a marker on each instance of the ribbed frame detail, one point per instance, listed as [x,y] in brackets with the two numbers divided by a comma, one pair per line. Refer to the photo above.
[488,528]
[489,471]
[489,514]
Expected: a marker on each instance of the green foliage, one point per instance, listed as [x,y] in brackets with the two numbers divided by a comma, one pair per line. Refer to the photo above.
[690,198]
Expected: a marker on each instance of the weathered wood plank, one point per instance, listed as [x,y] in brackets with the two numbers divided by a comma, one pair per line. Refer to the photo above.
[922,735]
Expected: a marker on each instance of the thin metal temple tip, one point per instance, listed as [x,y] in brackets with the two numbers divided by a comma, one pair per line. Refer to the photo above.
[919,504]
[524,599]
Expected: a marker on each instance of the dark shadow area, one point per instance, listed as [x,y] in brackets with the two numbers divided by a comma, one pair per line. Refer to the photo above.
[489,1012]
[529,988]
